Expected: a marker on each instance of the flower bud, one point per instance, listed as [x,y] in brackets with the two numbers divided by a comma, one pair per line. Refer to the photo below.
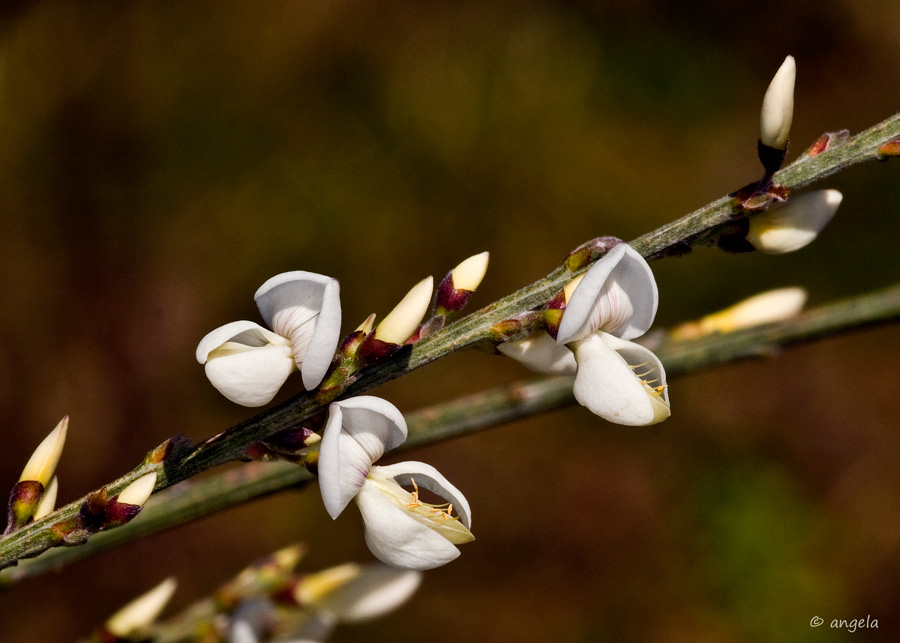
[48,501]
[138,492]
[457,287]
[778,107]
[43,461]
[401,323]
[764,308]
[140,613]
[795,224]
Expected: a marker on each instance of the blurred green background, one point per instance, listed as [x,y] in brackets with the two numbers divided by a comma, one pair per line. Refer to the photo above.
[159,161]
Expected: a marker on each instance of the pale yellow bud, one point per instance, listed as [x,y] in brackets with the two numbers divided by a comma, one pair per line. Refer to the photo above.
[141,612]
[138,492]
[571,286]
[402,322]
[764,308]
[468,274]
[366,326]
[314,587]
[43,461]
[48,500]
[778,106]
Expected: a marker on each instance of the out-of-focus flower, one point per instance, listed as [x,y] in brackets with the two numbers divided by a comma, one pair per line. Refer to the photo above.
[795,224]
[133,619]
[764,308]
[401,530]
[248,363]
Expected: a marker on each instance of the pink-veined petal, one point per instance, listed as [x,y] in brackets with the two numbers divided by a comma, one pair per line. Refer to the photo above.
[617,295]
[358,432]
[304,307]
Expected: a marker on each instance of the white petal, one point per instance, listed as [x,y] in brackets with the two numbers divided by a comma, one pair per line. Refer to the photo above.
[242,632]
[247,333]
[468,274]
[795,224]
[42,463]
[430,478]
[541,354]
[358,432]
[608,387]
[305,307]
[617,295]
[377,590]
[139,491]
[251,377]
[398,539]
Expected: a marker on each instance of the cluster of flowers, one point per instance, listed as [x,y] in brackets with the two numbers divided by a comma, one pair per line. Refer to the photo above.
[614,302]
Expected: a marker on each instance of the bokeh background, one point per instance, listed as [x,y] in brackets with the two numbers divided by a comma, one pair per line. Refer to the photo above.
[159,161]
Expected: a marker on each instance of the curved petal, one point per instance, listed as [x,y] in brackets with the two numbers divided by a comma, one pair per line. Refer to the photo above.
[396,538]
[611,381]
[305,307]
[618,295]
[325,337]
[358,432]
[430,478]
[247,333]
[795,224]
[541,354]
[251,377]
[377,590]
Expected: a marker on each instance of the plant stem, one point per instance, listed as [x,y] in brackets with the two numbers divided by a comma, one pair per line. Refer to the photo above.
[192,500]
[675,237]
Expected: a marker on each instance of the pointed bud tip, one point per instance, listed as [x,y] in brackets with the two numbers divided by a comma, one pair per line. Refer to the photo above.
[468,274]
[42,463]
[139,491]
[400,324]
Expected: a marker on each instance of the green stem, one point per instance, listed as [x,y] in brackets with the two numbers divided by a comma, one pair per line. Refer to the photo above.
[473,329]
[469,414]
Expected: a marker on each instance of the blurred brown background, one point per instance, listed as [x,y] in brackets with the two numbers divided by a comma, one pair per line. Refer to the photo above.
[159,161]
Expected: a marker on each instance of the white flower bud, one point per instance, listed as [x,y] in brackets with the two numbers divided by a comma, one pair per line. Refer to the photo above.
[42,463]
[795,224]
[778,106]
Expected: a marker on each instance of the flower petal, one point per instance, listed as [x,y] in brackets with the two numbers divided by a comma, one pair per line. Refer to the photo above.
[541,354]
[398,539]
[305,307]
[251,377]
[247,333]
[617,295]
[795,224]
[430,478]
[377,590]
[611,381]
[358,432]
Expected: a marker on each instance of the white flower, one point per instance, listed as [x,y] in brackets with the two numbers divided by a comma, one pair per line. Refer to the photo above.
[795,224]
[248,363]
[139,614]
[614,302]
[401,530]
[778,106]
